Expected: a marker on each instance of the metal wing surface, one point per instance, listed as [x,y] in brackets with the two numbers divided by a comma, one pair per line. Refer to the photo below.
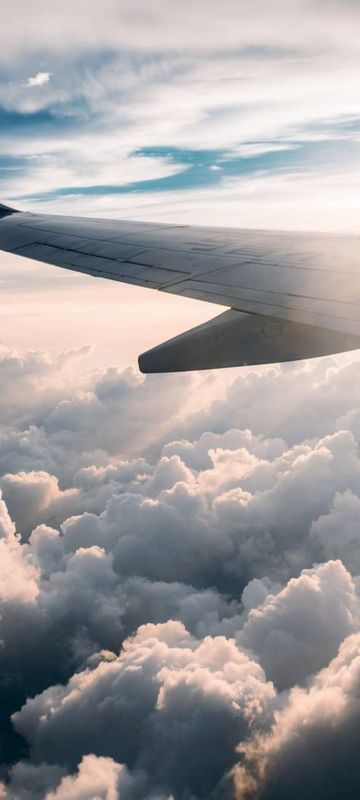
[291,295]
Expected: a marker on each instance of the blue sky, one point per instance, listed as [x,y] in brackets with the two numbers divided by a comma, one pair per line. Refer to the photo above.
[138,103]
[208,168]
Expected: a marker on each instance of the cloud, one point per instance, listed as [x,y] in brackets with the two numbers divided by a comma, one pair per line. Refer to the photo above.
[337,533]
[160,604]
[40,79]
[31,782]
[102,776]
[167,26]
[76,466]
[149,81]
[17,575]
[179,571]
[318,727]
[28,380]
[29,494]
[162,682]
[296,631]
[96,776]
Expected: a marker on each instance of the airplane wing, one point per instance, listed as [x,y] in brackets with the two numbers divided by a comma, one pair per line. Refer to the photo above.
[290,295]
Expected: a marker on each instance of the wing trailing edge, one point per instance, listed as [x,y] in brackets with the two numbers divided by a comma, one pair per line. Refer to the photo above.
[236,339]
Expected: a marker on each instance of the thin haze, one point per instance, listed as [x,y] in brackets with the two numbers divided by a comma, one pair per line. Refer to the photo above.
[180,555]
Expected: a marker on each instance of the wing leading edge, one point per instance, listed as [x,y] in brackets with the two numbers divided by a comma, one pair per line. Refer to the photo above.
[290,295]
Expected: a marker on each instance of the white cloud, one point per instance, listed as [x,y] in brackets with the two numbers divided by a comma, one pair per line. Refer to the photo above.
[247,84]
[97,777]
[108,623]
[167,26]
[299,629]
[40,79]
[317,727]
[163,680]
[18,576]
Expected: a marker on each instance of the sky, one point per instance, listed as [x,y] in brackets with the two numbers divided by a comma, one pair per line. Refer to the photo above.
[180,554]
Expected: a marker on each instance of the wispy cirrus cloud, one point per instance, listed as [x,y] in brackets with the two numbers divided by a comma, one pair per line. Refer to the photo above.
[150,81]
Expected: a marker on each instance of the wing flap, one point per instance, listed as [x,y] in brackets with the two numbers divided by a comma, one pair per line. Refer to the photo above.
[238,339]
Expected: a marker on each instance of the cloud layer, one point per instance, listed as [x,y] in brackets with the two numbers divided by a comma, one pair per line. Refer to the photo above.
[173,615]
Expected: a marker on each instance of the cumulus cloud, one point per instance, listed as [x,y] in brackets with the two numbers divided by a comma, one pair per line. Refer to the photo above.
[31,495]
[33,380]
[161,601]
[96,777]
[313,740]
[133,707]
[336,534]
[17,575]
[79,469]
[297,630]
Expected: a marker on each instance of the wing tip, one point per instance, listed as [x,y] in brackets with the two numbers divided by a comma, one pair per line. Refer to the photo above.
[150,364]
[142,366]
[200,348]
